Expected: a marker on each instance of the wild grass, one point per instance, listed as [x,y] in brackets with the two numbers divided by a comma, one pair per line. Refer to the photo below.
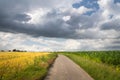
[24,65]
[101,65]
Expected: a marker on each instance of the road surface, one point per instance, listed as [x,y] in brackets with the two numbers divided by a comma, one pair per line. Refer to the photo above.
[65,69]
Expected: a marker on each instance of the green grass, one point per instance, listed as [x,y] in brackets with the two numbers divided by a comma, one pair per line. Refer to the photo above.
[101,65]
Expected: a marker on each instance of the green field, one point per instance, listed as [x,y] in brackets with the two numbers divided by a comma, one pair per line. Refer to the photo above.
[24,65]
[101,65]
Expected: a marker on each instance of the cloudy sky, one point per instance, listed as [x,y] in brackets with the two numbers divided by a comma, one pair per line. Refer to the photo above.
[54,25]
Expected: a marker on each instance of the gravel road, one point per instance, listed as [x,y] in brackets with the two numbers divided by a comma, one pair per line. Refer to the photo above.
[65,69]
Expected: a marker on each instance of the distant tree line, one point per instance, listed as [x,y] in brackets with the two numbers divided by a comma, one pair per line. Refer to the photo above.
[14,50]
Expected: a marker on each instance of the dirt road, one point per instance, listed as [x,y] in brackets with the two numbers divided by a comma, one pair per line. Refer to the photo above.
[66,69]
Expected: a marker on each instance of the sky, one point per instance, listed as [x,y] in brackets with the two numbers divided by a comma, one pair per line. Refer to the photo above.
[60,25]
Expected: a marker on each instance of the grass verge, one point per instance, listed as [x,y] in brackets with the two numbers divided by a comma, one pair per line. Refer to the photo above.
[99,71]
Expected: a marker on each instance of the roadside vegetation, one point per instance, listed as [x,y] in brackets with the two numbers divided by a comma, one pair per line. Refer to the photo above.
[24,65]
[101,65]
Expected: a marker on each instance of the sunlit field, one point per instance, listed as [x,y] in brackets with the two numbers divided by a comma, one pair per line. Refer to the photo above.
[24,65]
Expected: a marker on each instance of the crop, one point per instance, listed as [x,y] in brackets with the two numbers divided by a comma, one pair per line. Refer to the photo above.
[108,57]
[24,65]
[101,65]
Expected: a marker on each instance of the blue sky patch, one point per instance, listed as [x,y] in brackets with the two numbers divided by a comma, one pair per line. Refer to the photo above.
[76,5]
[116,1]
[89,12]
[88,4]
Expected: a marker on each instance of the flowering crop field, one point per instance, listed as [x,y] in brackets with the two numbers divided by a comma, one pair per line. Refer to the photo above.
[24,65]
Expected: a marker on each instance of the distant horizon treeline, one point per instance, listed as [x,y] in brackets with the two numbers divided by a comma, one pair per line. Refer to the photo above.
[18,50]
[14,50]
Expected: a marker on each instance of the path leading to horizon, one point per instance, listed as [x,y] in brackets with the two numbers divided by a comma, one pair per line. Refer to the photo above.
[65,69]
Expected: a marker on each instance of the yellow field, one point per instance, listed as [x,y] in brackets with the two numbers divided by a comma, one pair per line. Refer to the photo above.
[13,63]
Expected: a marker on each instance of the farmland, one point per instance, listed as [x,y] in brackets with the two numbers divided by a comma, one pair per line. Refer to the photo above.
[101,65]
[24,65]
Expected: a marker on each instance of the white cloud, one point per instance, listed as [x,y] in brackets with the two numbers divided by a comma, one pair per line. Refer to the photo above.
[36,15]
[72,44]
[80,10]
[15,41]
[108,8]
[66,18]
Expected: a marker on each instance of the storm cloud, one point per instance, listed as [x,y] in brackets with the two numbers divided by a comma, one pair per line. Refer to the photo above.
[15,18]
[62,20]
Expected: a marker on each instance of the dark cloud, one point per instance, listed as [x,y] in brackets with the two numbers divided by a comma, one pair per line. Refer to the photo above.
[115,47]
[113,24]
[22,17]
[14,18]
[51,28]
[12,14]
[116,41]
[81,22]
[54,25]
